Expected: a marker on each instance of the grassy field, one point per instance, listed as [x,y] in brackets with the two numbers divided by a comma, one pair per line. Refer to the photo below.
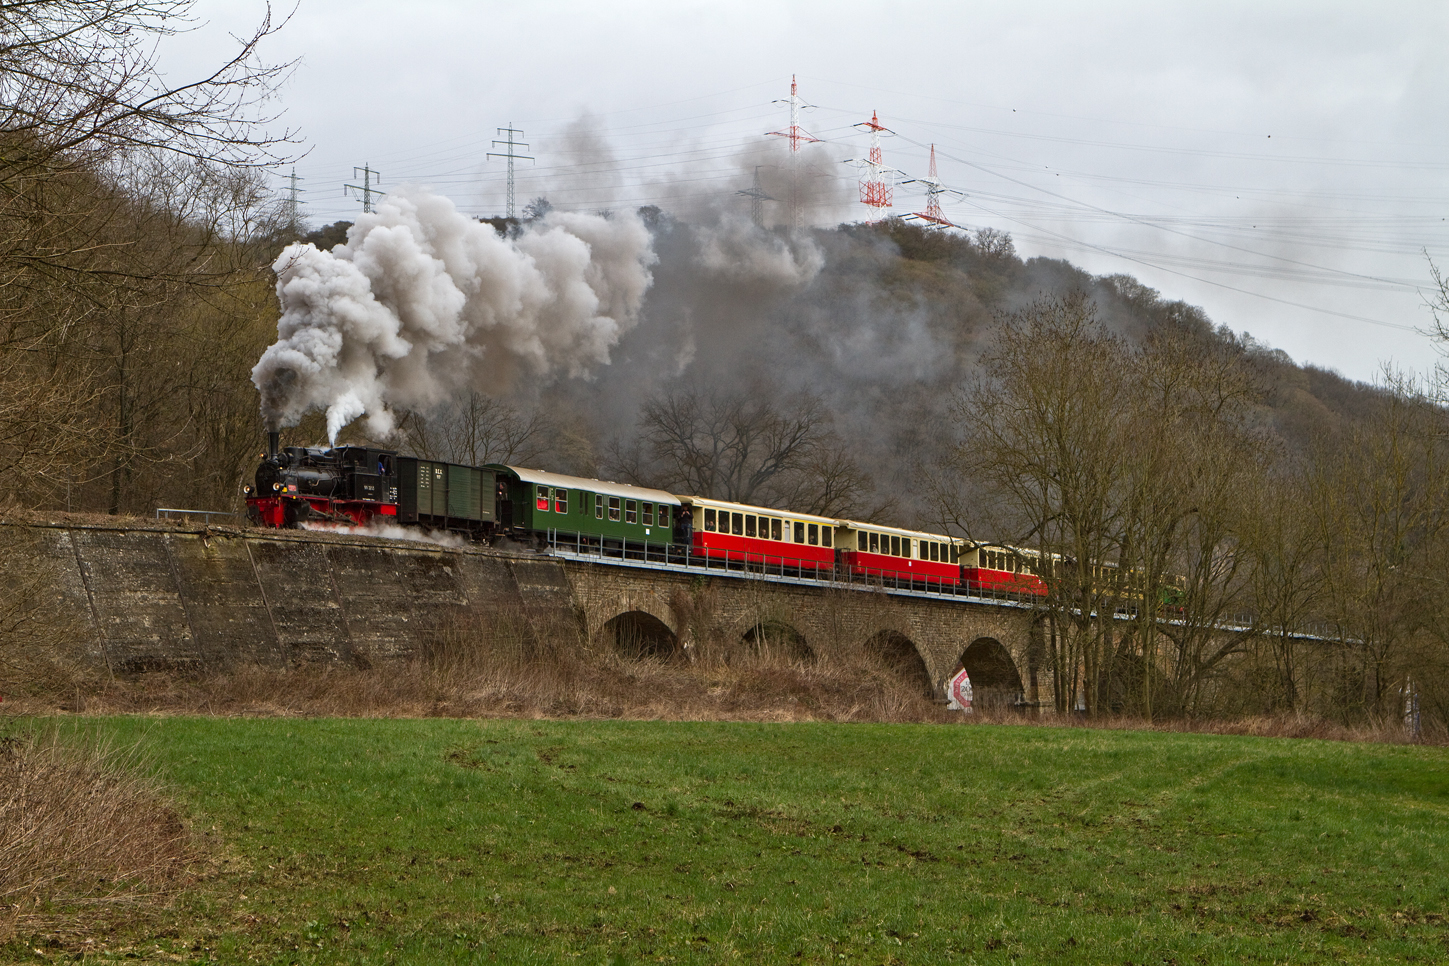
[444,841]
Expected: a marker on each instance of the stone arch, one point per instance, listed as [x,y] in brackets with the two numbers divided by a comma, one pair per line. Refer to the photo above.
[900,654]
[639,634]
[995,680]
[615,606]
[777,640]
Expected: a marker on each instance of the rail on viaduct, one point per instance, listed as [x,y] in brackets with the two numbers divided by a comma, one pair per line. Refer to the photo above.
[134,597]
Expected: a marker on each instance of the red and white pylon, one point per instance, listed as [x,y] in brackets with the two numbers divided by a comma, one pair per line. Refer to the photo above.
[797,136]
[877,182]
[932,216]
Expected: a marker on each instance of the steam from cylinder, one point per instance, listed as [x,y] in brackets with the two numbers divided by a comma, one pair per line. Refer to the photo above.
[422,302]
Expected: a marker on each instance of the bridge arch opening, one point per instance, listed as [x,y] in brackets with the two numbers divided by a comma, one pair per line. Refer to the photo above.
[995,681]
[777,641]
[898,653]
[636,634]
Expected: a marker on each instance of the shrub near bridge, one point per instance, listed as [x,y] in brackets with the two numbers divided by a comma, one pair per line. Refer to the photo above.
[444,841]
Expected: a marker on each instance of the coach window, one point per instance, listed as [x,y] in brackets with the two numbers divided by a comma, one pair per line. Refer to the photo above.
[560,501]
[875,543]
[827,535]
[799,532]
[542,501]
[895,550]
[709,520]
[648,509]
[598,507]
[749,524]
[814,534]
[631,511]
[775,529]
[737,524]
[614,509]
[862,543]
[663,515]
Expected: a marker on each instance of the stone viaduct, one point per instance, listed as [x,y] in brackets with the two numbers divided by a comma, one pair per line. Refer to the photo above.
[136,597]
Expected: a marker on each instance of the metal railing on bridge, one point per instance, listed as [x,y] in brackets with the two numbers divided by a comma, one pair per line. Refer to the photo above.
[797,570]
[777,567]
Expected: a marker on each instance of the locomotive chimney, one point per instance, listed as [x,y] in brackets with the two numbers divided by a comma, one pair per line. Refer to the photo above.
[273,440]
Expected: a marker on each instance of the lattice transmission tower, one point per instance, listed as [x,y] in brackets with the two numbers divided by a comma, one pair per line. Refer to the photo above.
[933,216]
[797,136]
[757,197]
[511,155]
[365,190]
[877,182]
[294,202]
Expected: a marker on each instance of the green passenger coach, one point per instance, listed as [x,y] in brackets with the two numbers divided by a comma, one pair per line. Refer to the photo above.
[533,504]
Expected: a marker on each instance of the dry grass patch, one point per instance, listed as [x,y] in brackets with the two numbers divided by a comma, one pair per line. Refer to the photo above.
[513,664]
[80,823]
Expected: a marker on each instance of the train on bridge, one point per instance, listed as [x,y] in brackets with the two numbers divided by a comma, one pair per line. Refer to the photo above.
[361,486]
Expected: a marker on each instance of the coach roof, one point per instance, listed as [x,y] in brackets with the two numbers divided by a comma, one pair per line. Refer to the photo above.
[591,486]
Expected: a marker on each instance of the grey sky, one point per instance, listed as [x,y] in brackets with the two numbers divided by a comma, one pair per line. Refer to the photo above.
[1274,163]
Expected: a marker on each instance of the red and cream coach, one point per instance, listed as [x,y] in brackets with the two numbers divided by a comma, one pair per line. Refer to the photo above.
[755,535]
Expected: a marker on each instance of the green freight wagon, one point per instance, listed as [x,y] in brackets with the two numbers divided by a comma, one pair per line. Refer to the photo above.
[445,496]
[536,505]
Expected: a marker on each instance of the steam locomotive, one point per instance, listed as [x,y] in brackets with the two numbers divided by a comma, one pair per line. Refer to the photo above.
[355,485]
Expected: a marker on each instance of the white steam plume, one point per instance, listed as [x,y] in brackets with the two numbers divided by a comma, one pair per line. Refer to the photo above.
[423,301]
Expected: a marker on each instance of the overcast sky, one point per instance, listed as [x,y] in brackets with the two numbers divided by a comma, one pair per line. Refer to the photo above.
[1281,165]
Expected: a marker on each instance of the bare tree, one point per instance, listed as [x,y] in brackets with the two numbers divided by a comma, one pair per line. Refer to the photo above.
[729,446]
[127,205]
[80,81]
[481,429]
[1192,462]
[1288,582]
[1381,498]
[1043,429]
[830,482]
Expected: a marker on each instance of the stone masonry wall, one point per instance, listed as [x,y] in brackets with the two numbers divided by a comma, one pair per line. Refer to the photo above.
[134,598]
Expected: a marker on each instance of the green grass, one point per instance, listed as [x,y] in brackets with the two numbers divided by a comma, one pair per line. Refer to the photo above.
[366,841]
